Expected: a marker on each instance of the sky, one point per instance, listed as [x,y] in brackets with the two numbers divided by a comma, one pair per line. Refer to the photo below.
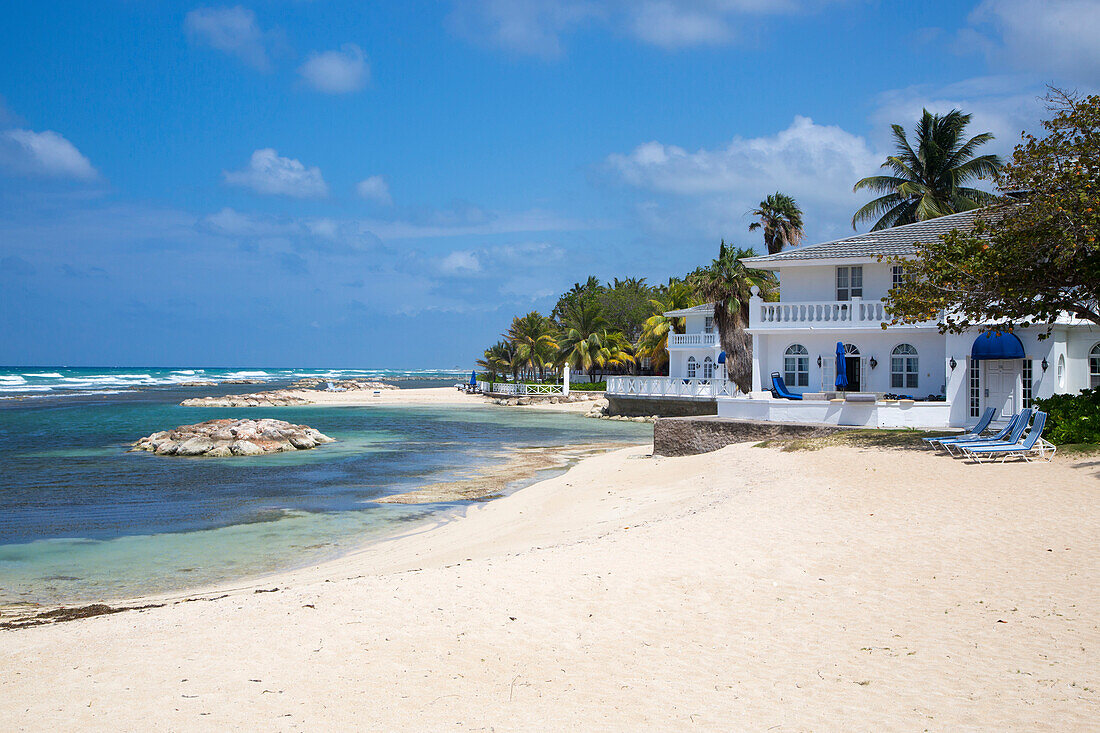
[385,184]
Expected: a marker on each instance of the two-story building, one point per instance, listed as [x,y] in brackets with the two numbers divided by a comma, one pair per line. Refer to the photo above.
[832,293]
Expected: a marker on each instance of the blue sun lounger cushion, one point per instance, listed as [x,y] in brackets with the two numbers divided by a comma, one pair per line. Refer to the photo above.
[779,388]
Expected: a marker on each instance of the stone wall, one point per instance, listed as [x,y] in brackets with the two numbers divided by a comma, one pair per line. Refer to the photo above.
[640,406]
[686,436]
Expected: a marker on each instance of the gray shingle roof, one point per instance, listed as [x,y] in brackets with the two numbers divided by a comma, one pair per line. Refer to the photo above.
[706,309]
[886,242]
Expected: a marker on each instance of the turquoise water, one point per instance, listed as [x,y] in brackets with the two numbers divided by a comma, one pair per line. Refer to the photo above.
[83,519]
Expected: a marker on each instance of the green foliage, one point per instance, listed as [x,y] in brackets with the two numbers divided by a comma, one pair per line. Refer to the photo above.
[781,219]
[1072,418]
[1028,258]
[928,182]
[589,386]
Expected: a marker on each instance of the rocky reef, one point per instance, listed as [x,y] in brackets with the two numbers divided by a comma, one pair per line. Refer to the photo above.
[274,398]
[229,437]
[341,385]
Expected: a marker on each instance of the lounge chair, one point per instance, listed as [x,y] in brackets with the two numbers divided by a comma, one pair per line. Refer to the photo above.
[974,434]
[1031,446]
[1015,428]
[779,388]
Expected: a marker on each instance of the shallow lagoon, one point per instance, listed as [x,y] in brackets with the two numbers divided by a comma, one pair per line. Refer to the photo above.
[85,520]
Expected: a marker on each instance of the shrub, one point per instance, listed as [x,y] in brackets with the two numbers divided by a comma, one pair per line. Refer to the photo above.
[1072,418]
[589,386]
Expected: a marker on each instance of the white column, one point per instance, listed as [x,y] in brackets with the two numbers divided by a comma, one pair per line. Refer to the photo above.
[565,380]
[756,380]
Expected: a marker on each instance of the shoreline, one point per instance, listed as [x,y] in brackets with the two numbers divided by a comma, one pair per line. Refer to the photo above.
[808,589]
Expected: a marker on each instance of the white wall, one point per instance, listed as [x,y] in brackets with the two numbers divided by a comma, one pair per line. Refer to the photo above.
[677,361]
[928,343]
[818,283]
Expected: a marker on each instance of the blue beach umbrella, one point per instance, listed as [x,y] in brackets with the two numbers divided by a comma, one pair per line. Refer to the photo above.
[841,370]
[473,378]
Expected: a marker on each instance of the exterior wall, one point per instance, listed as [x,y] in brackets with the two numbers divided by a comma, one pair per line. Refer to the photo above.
[677,360]
[856,414]
[1078,346]
[815,283]
[660,406]
[879,344]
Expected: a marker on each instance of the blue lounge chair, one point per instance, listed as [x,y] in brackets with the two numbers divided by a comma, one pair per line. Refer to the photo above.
[1032,445]
[1016,431]
[974,434]
[779,388]
[949,445]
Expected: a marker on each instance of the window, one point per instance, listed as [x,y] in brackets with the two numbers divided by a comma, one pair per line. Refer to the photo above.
[1027,378]
[975,388]
[1094,366]
[1062,372]
[796,366]
[708,368]
[897,273]
[708,325]
[692,367]
[903,367]
[849,282]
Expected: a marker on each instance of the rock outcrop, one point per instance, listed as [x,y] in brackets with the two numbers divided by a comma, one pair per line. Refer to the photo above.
[343,385]
[220,438]
[274,398]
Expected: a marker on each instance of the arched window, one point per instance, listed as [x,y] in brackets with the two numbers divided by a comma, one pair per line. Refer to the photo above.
[903,367]
[1094,366]
[851,350]
[692,366]
[708,368]
[796,366]
[1062,372]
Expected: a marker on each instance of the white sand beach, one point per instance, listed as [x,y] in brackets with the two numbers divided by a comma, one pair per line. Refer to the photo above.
[748,589]
[427,396]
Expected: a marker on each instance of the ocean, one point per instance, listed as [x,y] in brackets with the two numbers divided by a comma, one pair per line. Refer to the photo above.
[83,519]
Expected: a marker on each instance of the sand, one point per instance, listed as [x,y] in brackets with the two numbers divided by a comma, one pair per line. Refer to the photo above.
[747,589]
[428,396]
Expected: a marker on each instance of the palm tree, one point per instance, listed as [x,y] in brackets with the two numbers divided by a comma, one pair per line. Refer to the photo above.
[727,283]
[928,182]
[588,344]
[653,343]
[533,340]
[781,219]
[498,359]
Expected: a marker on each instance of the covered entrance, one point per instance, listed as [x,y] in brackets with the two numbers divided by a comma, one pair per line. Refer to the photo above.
[1002,373]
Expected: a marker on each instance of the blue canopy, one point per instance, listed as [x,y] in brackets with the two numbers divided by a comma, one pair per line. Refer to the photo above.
[473,379]
[722,358]
[997,345]
[841,366]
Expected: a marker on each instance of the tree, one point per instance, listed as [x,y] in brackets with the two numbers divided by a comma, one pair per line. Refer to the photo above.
[497,360]
[533,340]
[727,284]
[1030,257]
[781,219]
[578,294]
[928,182]
[625,304]
[588,344]
[653,343]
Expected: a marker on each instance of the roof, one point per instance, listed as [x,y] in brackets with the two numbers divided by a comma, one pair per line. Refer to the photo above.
[894,241]
[706,309]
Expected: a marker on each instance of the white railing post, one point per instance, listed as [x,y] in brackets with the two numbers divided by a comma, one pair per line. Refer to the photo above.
[565,380]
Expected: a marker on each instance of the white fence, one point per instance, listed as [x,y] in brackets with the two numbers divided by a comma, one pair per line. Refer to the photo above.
[670,387]
[511,388]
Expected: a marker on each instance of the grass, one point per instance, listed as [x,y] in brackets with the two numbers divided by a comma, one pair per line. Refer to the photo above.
[902,439]
[1079,449]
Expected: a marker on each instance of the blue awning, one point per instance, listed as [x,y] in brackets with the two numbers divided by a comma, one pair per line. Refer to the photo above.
[994,345]
[722,358]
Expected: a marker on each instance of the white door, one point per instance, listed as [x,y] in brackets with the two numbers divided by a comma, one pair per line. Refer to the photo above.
[1001,378]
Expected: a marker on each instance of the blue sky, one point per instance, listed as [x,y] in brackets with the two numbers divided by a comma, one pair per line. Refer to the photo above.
[384,184]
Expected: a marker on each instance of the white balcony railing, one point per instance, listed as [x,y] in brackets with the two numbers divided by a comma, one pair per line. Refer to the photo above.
[824,314]
[693,339]
[511,388]
[670,387]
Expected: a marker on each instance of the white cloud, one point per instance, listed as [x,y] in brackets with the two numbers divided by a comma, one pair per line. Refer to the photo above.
[536,26]
[1053,36]
[336,72]
[806,160]
[43,154]
[375,189]
[459,262]
[232,30]
[269,173]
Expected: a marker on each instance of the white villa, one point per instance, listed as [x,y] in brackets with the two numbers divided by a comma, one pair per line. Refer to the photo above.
[900,376]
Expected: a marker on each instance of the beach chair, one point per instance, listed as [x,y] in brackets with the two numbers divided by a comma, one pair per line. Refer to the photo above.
[1004,435]
[974,434]
[779,388]
[1032,446]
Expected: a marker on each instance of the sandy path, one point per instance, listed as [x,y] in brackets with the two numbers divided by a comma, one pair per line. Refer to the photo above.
[747,589]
